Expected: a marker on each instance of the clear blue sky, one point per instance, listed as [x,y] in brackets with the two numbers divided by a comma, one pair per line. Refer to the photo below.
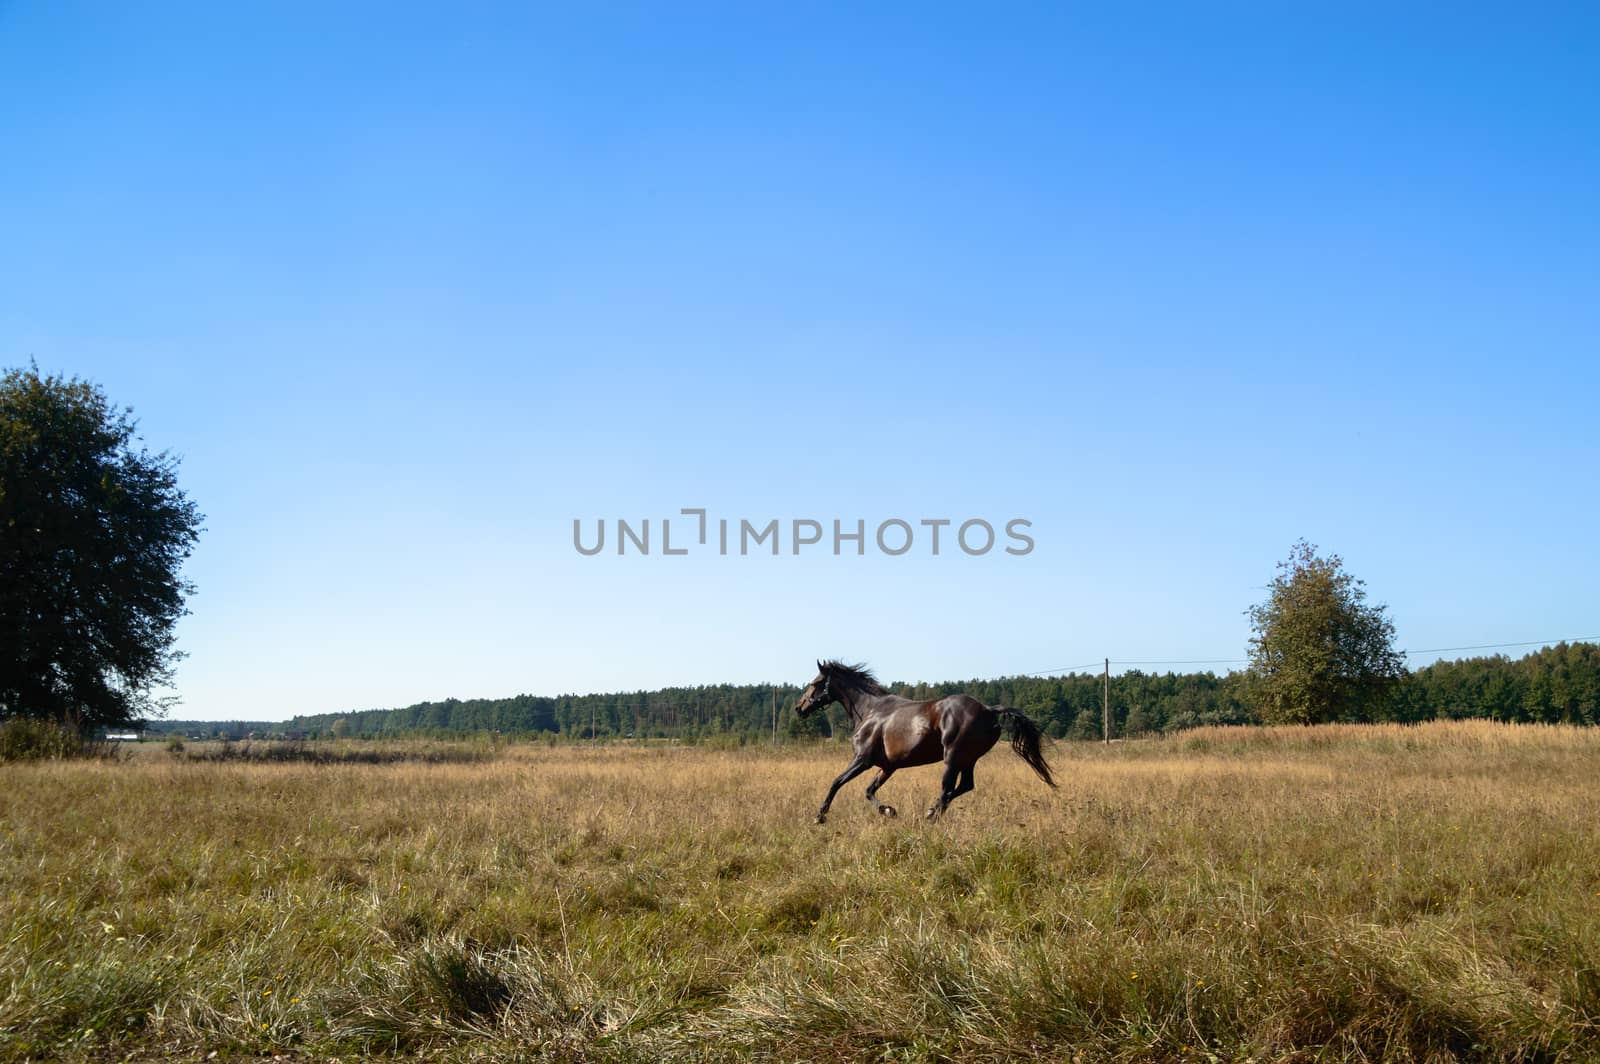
[410,287]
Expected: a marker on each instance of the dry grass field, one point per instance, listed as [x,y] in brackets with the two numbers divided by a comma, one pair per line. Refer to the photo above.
[1343,893]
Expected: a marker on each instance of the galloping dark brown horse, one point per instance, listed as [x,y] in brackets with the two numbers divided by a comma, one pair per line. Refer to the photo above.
[894,733]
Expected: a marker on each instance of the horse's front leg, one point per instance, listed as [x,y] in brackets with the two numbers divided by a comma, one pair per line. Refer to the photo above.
[872,792]
[856,768]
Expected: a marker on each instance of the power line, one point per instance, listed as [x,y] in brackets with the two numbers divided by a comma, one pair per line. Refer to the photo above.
[1245,661]
[1064,668]
[1095,665]
[1496,646]
[1188,661]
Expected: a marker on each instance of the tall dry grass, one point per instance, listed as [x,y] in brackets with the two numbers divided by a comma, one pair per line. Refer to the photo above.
[1334,893]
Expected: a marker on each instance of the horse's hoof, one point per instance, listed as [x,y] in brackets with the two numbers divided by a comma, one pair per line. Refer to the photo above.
[821,819]
[888,810]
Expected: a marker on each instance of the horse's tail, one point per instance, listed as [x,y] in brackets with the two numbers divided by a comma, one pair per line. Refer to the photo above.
[1025,736]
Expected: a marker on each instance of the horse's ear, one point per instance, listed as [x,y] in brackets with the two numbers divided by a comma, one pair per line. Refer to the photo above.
[819,665]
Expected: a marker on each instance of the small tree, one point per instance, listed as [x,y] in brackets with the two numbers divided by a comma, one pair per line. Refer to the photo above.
[816,726]
[1319,652]
[1089,724]
[92,534]
[1137,723]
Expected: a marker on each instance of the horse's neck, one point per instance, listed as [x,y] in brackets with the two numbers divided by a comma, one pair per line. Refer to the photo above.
[861,705]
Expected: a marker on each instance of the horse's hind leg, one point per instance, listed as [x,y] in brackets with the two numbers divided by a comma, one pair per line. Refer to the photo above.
[872,792]
[957,781]
[947,791]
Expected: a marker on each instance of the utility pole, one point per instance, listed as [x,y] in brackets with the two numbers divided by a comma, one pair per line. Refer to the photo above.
[1105,702]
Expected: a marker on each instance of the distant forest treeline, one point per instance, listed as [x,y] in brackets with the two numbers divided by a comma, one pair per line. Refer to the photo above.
[1559,684]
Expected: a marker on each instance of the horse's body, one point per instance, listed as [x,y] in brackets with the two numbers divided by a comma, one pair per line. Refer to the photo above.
[894,733]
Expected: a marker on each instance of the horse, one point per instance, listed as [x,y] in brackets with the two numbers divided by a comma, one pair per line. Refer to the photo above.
[894,733]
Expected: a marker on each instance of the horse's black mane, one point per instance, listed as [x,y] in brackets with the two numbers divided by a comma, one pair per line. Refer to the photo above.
[854,677]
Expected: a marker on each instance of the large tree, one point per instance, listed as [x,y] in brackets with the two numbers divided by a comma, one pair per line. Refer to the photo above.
[1320,653]
[93,532]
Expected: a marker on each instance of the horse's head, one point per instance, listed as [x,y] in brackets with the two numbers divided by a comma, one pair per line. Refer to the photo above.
[818,693]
